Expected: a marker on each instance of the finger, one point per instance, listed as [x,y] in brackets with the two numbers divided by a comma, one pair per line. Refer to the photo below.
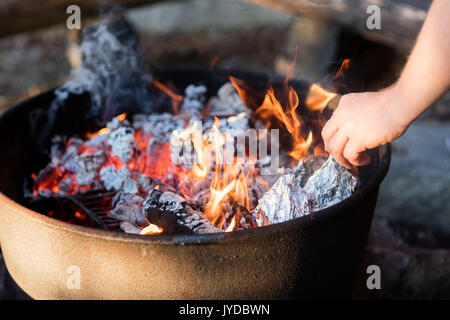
[337,146]
[353,153]
[328,131]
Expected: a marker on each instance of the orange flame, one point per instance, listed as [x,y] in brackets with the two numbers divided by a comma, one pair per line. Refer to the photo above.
[176,98]
[239,86]
[232,225]
[105,130]
[344,67]
[228,180]
[151,229]
[318,98]
[289,118]
[202,164]
[121,116]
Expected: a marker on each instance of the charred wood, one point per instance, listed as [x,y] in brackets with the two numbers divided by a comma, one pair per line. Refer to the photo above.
[171,212]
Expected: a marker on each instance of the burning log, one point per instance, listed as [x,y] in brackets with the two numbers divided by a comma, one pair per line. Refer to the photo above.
[171,212]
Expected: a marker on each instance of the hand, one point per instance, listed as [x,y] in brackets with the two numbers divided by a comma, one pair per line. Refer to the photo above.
[361,121]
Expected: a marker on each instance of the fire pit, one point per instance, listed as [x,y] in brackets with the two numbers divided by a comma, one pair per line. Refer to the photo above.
[316,255]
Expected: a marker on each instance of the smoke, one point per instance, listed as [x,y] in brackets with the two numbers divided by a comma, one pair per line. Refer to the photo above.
[110,81]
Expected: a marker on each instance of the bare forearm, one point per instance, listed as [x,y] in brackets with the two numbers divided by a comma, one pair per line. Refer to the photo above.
[426,76]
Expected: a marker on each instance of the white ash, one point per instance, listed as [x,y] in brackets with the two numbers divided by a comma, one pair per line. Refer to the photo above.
[69,154]
[288,198]
[130,186]
[159,125]
[227,102]
[194,101]
[129,208]
[116,123]
[113,179]
[237,124]
[110,72]
[181,148]
[145,183]
[87,166]
[122,143]
[182,139]
[130,228]
[96,141]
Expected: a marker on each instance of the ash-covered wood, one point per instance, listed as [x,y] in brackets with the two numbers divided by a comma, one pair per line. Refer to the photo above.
[128,208]
[171,212]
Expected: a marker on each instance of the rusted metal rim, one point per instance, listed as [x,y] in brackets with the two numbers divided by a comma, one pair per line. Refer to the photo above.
[384,156]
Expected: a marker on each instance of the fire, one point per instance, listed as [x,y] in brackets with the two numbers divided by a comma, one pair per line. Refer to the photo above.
[227,180]
[202,165]
[121,116]
[232,225]
[318,98]
[151,229]
[176,98]
[344,67]
[105,130]
[243,94]
[226,185]
[289,118]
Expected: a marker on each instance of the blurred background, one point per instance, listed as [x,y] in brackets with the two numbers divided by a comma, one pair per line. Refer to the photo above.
[410,235]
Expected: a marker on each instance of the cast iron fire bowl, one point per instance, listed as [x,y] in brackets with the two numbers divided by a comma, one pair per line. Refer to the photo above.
[315,256]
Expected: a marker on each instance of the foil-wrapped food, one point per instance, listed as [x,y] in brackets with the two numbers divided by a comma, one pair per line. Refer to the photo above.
[304,190]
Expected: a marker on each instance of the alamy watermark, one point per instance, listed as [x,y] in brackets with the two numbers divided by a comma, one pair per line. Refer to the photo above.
[73,21]
[73,281]
[191,146]
[374,279]
[373,21]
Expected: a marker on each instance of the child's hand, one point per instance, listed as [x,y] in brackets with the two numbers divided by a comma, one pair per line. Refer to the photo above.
[361,121]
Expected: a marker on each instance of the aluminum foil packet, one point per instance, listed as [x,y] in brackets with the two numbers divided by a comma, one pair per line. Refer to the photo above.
[293,196]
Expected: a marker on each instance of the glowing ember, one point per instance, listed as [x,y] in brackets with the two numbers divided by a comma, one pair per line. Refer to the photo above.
[181,155]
